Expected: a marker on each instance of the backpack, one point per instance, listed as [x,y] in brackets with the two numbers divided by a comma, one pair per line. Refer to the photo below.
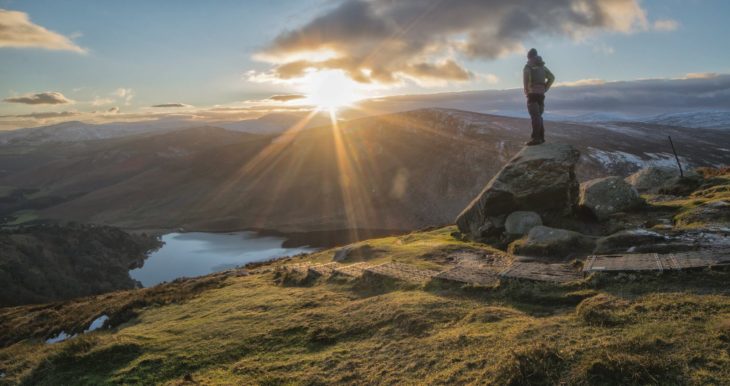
[537,75]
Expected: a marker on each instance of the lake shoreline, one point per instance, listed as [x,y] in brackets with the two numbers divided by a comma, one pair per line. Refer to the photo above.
[314,239]
[193,254]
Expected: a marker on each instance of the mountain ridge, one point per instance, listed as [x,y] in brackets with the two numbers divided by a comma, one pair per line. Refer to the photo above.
[129,182]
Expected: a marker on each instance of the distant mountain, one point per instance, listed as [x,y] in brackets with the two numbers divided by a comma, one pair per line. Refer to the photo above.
[696,102]
[395,171]
[75,131]
[697,119]
[275,123]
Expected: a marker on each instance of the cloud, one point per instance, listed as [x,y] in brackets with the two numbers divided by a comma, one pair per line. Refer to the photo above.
[666,25]
[707,91]
[170,105]
[125,93]
[701,75]
[286,98]
[603,48]
[101,101]
[488,78]
[43,98]
[16,30]
[385,41]
[582,82]
[44,115]
[639,97]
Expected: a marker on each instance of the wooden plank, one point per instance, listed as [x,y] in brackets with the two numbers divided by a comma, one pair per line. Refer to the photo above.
[352,270]
[323,269]
[541,272]
[628,262]
[656,262]
[300,267]
[477,259]
[696,259]
[470,275]
[402,272]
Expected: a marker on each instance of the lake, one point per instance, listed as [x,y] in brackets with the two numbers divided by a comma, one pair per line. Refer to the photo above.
[199,253]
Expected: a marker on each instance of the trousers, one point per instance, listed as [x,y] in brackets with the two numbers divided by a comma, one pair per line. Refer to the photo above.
[536,106]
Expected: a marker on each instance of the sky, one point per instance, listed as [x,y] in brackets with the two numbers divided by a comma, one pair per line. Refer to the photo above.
[115,60]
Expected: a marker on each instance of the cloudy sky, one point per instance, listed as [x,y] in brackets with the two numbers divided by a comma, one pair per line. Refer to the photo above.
[104,60]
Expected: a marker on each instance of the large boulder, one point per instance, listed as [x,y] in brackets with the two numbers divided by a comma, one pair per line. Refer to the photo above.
[661,179]
[549,242]
[627,241]
[521,222]
[539,179]
[643,241]
[608,195]
[650,179]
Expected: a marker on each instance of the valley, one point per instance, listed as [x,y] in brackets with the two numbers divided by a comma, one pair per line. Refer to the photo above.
[396,171]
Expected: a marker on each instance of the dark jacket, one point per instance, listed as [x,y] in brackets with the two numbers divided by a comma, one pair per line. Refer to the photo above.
[536,78]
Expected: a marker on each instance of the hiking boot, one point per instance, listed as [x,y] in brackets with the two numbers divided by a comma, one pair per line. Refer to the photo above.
[534,142]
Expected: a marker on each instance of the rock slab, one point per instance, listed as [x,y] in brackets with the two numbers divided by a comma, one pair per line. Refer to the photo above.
[656,179]
[606,196]
[549,242]
[521,222]
[539,179]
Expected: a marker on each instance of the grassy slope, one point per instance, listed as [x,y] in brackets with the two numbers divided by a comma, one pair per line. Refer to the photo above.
[669,329]
[672,328]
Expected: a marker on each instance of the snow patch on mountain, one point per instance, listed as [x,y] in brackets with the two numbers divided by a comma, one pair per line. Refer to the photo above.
[612,159]
[695,120]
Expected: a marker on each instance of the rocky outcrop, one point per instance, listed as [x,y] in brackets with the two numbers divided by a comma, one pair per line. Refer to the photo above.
[539,179]
[627,241]
[555,243]
[521,222]
[606,196]
[652,178]
[657,179]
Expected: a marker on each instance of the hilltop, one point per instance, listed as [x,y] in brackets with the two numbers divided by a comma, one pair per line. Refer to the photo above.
[299,321]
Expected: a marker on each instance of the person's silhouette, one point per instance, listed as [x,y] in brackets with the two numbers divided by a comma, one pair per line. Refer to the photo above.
[537,80]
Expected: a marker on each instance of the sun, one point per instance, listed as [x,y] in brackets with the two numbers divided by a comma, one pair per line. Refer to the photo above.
[330,90]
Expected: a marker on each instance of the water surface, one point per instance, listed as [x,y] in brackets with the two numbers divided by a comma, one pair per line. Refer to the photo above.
[199,253]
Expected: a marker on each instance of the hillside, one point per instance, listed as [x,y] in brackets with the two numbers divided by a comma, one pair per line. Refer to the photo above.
[294,321]
[399,171]
[40,264]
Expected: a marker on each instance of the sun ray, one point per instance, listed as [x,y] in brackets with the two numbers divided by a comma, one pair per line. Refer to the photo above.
[264,161]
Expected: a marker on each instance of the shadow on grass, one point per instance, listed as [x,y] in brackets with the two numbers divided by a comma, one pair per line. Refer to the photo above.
[79,364]
[532,298]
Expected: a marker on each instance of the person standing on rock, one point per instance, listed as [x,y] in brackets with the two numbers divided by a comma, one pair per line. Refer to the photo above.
[537,80]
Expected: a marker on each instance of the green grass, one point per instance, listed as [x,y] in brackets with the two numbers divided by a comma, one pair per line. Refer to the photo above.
[692,212]
[231,329]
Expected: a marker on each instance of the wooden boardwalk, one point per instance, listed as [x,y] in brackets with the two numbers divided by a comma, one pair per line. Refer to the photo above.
[323,269]
[353,270]
[402,272]
[486,270]
[655,261]
[558,273]
[470,275]
[293,267]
